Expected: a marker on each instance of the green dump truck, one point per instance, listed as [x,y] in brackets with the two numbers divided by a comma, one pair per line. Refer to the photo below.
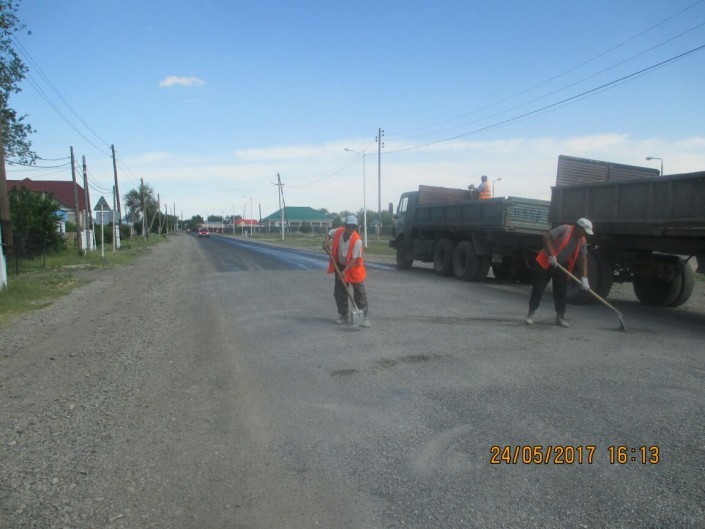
[648,227]
[465,237]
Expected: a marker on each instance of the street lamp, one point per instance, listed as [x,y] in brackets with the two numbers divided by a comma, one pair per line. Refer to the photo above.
[493,183]
[649,158]
[364,193]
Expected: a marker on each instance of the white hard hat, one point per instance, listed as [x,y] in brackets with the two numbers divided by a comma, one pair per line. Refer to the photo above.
[586,225]
[351,220]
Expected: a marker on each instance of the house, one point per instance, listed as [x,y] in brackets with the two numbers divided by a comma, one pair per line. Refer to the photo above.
[61,192]
[296,218]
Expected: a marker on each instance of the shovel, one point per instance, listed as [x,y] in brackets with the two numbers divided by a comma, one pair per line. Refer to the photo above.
[622,327]
[356,317]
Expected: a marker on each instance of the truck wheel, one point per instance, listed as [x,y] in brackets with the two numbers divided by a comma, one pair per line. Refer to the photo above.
[403,262]
[469,266]
[687,284]
[443,257]
[600,277]
[657,291]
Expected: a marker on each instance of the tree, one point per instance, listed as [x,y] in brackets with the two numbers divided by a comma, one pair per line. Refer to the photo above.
[15,131]
[35,214]
[14,143]
[133,203]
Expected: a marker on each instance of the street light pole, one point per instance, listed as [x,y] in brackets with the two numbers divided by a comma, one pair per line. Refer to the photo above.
[364,193]
[493,183]
[649,158]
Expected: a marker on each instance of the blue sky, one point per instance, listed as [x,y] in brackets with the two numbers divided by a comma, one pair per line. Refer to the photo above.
[209,100]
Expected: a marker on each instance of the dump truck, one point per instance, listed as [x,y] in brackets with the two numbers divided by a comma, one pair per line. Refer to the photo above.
[648,227]
[464,237]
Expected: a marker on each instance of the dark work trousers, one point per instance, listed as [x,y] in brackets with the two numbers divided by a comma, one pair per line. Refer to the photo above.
[560,287]
[341,296]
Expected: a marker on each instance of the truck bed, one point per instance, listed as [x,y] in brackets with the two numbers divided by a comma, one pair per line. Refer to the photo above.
[514,214]
[673,205]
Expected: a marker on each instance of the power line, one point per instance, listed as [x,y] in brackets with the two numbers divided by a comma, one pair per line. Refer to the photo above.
[562,102]
[56,91]
[522,92]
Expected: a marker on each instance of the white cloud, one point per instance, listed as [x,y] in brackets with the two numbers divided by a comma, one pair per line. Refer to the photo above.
[325,176]
[174,80]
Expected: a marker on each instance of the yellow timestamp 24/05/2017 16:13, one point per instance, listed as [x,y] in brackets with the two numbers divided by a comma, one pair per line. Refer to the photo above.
[572,454]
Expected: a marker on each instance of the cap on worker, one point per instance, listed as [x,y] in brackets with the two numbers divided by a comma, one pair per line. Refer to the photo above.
[483,178]
[586,225]
[351,220]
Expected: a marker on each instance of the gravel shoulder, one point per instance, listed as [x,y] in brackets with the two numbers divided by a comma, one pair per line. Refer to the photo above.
[128,404]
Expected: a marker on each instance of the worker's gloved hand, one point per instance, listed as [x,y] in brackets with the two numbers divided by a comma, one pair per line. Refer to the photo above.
[552,260]
[584,283]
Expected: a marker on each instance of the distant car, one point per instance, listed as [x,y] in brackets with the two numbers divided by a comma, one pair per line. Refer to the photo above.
[203,232]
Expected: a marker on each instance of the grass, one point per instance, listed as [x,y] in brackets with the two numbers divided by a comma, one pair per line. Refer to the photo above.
[314,242]
[36,287]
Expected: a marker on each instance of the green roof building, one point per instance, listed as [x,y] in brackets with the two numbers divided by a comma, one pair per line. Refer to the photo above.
[297,217]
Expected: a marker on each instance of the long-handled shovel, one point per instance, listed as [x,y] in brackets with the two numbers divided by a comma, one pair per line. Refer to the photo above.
[356,317]
[622,327]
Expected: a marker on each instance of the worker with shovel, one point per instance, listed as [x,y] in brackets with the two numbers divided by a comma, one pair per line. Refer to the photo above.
[564,245]
[346,261]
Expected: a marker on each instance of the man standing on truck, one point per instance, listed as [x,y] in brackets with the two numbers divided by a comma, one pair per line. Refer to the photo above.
[347,251]
[482,191]
[566,245]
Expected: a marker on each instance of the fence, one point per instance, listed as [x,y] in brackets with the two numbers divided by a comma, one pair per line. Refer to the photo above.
[29,253]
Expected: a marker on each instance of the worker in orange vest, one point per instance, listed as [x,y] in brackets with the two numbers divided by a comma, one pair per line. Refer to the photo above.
[347,251]
[566,245]
[482,191]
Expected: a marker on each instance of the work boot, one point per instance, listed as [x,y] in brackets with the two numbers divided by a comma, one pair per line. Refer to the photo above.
[342,318]
[560,321]
[530,318]
[366,323]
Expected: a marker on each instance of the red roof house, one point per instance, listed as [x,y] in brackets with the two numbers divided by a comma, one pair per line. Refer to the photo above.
[61,192]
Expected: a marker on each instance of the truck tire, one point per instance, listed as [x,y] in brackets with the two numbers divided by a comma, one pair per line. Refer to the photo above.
[687,284]
[403,262]
[600,277]
[443,257]
[469,266]
[658,292]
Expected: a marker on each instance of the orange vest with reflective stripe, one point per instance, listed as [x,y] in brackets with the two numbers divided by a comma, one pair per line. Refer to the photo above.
[356,273]
[485,193]
[542,257]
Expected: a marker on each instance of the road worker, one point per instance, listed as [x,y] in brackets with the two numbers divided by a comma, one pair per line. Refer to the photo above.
[564,244]
[347,251]
[483,191]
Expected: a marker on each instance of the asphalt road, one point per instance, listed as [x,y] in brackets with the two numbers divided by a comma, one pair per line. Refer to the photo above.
[250,408]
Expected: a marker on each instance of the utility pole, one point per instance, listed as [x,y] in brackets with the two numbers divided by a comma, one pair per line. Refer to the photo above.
[117,188]
[76,209]
[5,219]
[89,244]
[115,232]
[144,209]
[379,179]
[281,198]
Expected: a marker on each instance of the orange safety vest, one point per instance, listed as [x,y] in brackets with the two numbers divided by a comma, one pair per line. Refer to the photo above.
[542,257]
[485,193]
[356,273]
